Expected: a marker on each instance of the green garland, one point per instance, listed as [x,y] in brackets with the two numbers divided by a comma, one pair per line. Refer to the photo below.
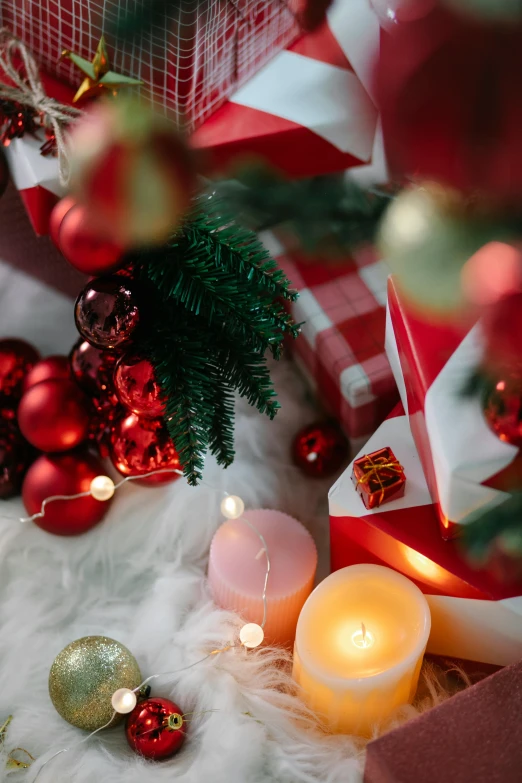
[213,310]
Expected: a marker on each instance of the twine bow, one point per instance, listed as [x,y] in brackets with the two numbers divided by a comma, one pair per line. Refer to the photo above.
[13,762]
[373,468]
[29,91]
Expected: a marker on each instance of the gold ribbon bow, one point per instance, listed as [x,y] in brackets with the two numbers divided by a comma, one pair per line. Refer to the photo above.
[13,762]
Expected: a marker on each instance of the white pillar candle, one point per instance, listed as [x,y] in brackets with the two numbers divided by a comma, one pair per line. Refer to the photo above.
[359,646]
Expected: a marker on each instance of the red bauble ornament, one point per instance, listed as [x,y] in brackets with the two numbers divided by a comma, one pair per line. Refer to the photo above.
[15,457]
[16,359]
[503,408]
[502,327]
[84,247]
[424,69]
[155,729]
[54,415]
[57,216]
[64,474]
[51,367]
[92,368]
[139,446]
[320,449]
[106,312]
[4,173]
[137,388]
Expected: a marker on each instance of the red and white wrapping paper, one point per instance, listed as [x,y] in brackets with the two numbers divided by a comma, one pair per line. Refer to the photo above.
[341,347]
[474,616]
[310,110]
[464,461]
[190,61]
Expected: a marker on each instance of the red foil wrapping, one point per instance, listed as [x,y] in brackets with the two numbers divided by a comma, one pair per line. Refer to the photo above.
[378,477]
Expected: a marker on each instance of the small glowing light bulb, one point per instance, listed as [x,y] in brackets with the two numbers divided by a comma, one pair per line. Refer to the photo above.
[123,701]
[232,507]
[102,488]
[251,635]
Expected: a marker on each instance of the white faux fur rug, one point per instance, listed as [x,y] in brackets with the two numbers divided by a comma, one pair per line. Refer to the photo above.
[139,577]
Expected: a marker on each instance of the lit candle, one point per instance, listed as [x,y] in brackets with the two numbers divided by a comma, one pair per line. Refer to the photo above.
[359,646]
[237,570]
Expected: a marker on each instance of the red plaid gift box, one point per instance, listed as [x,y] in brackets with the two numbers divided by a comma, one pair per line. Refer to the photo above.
[341,348]
[190,62]
[310,110]
[466,465]
[474,615]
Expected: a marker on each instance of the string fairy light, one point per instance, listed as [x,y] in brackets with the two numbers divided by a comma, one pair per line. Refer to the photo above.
[251,635]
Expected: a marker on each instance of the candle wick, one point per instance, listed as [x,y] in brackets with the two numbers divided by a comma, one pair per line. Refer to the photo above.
[363,629]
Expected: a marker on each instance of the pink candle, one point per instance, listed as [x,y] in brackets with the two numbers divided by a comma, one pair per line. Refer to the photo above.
[237,569]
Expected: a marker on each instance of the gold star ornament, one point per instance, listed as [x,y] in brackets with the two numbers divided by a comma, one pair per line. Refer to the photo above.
[98,76]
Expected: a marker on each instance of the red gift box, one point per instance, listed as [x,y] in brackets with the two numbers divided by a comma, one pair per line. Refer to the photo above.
[378,477]
[310,110]
[467,466]
[474,615]
[189,64]
[341,347]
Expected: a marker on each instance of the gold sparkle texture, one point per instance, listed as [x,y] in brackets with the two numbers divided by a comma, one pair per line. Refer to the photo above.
[84,677]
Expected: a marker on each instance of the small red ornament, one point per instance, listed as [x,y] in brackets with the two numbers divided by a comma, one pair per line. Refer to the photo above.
[502,327]
[320,449]
[57,215]
[54,415]
[137,388]
[4,173]
[92,368]
[503,408]
[84,247]
[64,474]
[140,446]
[155,729]
[15,457]
[51,367]
[424,68]
[16,359]
[106,312]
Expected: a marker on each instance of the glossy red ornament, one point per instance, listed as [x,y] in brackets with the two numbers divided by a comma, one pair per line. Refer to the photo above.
[320,449]
[106,312]
[155,729]
[425,68]
[54,415]
[84,247]
[503,408]
[17,358]
[15,457]
[137,388]
[502,327]
[64,474]
[57,216]
[51,367]
[139,446]
[92,368]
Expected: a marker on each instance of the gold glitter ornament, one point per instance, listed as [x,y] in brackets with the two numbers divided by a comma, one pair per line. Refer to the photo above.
[84,677]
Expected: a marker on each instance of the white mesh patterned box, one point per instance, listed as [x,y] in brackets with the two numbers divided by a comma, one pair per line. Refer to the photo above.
[190,60]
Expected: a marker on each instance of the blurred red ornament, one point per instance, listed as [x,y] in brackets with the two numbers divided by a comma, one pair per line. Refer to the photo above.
[84,247]
[143,445]
[54,415]
[449,89]
[106,312]
[4,173]
[51,367]
[502,327]
[133,171]
[137,388]
[92,368]
[64,474]
[393,11]
[155,729]
[320,449]
[15,457]
[17,358]
[491,273]
[57,215]
[503,408]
